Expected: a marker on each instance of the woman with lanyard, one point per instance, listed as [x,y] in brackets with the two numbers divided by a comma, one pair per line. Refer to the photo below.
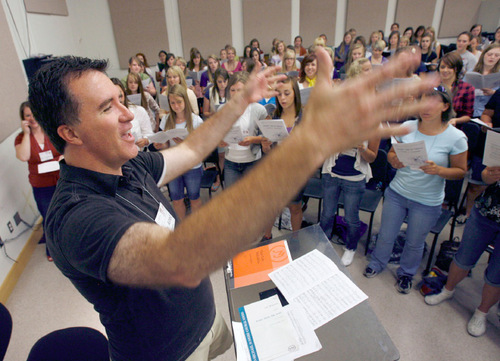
[347,173]
[308,71]
[33,146]
[182,117]
[417,194]
[450,68]
[481,230]
[289,108]
[242,156]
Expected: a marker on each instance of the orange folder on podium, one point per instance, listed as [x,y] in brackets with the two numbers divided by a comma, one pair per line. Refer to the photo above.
[253,266]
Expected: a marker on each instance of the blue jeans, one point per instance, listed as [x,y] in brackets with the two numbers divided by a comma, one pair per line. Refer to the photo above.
[479,232]
[353,193]
[191,180]
[234,171]
[421,219]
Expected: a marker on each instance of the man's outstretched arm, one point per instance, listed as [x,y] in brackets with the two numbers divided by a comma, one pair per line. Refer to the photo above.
[335,119]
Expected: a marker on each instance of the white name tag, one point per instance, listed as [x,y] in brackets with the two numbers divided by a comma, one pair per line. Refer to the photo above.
[45,156]
[48,167]
[164,218]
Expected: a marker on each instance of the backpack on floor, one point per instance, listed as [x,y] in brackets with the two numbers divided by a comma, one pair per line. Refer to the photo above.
[446,253]
[433,283]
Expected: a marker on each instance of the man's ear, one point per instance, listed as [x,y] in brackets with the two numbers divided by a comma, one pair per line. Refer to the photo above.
[69,135]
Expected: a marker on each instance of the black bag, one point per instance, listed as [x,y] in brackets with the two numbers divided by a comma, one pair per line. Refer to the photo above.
[446,253]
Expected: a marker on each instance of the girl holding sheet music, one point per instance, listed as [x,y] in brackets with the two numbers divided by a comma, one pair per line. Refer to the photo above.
[489,63]
[182,116]
[429,57]
[418,194]
[289,108]
[141,125]
[242,156]
[134,86]
[175,75]
[347,173]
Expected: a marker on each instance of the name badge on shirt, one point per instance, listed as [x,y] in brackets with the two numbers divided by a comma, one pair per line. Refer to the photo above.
[164,218]
[45,156]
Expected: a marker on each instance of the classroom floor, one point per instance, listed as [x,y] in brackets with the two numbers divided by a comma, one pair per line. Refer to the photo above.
[44,301]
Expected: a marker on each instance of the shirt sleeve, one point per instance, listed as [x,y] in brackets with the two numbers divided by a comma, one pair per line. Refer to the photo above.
[460,145]
[494,100]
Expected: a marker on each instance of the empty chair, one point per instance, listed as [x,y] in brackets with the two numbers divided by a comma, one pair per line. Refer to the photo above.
[5,330]
[71,344]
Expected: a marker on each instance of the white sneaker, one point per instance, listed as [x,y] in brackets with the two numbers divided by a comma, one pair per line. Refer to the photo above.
[477,324]
[348,257]
[439,297]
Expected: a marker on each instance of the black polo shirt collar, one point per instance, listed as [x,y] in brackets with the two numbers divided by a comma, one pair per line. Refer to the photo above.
[101,183]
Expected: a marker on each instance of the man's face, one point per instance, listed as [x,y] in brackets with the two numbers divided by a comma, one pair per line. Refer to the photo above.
[105,124]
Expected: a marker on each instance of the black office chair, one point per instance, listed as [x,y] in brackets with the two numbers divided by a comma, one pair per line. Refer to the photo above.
[210,174]
[5,330]
[451,196]
[374,191]
[75,344]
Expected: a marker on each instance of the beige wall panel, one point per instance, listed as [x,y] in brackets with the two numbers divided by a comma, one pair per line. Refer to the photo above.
[414,13]
[14,89]
[265,20]
[51,7]
[138,26]
[465,10]
[366,16]
[205,25]
[317,17]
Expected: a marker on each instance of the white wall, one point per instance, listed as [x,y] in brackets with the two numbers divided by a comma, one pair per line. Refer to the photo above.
[87,31]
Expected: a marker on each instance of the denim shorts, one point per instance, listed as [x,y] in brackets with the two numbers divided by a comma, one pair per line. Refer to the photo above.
[191,180]
[479,232]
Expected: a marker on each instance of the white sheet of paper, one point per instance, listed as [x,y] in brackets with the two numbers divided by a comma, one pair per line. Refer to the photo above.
[480,122]
[314,282]
[196,75]
[164,102]
[491,156]
[304,333]
[413,155]
[271,329]
[234,136]
[163,137]
[48,167]
[145,83]
[273,129]
[240,343]
[134,99]
[189,82]
[480,81]
[304,95]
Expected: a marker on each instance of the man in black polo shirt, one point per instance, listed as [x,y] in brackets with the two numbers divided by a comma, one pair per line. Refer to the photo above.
[111,231]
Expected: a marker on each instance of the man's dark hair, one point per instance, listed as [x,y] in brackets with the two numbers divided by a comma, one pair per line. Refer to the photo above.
[51,102]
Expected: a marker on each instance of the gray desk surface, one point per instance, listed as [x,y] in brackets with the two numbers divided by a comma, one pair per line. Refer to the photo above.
[355,335]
